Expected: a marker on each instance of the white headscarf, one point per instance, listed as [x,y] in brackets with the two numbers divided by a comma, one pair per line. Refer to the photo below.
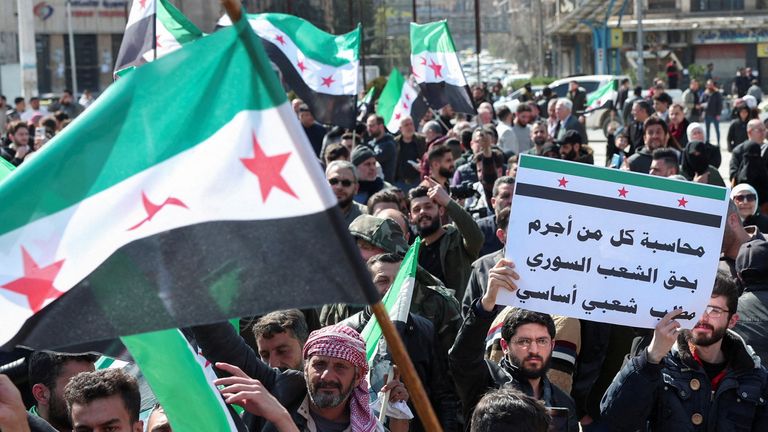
[745,187]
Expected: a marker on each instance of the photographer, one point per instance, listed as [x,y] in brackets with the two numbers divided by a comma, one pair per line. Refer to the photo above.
[447,252]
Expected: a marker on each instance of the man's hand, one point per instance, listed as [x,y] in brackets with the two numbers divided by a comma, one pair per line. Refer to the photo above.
[437,192]
[240,389]
[501,276]
[13,417]
[664,336]
[396,388]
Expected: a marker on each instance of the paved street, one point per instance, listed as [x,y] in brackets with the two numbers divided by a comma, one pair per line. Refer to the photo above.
[597,142]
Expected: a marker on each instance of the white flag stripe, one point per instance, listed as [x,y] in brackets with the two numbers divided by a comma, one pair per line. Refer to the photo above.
[403,108]
[140,9]
[450,70]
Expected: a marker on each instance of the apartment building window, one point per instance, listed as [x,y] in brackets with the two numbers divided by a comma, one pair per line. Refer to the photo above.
[666,5]
[716,5]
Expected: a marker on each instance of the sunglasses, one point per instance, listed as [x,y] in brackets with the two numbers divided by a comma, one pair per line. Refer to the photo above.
[345,182]
[745,197]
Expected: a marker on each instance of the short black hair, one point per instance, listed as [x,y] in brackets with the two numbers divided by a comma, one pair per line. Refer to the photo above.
[335,151]
[280,322]
[45,366]
[417,192]
[644,105]
[668,156]
[509,180]
[726,286]
[466,137]
[18,99]
[663,98]
[503,112]
[383,196]
[521,317]
[379,119]
[655,120]
[436,153]
[509,409]
[387,257]
[86,387]
[523,107]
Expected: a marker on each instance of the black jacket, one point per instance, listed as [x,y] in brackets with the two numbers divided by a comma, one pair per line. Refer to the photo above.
[753,318]
[737,133]
[676,394]
[430,362]
[475,376]
[640,161]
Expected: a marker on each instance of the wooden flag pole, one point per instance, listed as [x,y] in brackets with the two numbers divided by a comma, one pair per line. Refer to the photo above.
[407,371]
[234,10]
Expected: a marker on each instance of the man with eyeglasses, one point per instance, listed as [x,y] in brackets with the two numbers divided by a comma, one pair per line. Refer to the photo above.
[342,177]
[527,342]
[706,378]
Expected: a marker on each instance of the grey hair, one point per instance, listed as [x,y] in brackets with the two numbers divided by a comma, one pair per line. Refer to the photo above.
[341,164]
[566,103]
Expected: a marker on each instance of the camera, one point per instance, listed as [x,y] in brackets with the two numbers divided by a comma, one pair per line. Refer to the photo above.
[463,191]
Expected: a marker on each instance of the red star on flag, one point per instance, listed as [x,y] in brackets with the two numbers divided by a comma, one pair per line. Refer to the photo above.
[623,192]
[407,97]
[436,69]
[157,41]
[37,282]
[562,182]
[142,3]
[280,39]
[423,61]
[301,66]
[200,353]
[682,202]
[397,116]
[152,209]
[328,81]
[405,105]
[267,169]
[414,73]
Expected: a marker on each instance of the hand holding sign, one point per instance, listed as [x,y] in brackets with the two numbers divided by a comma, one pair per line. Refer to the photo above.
[664,336]
[501,277]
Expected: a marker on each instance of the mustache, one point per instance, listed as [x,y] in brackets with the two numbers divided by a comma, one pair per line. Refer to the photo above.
[535,357]
[421,218]
[328,384]
[705,326]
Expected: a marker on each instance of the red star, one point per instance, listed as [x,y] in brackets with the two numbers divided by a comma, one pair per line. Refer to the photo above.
[562,182]
[157,41]
[623,192]
[301,66]
[405,105]
[142,3]
[436,69]
[397,116]
[152,209]
[407,97]
[37,282]
[328,81]
[682,202]
[267,169]
[200,353]
[280,39]
[414,73]
[423,61]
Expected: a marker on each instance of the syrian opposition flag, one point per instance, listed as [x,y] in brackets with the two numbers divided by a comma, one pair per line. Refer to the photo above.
[154,29]
[437,69]
[5,168]
[319,67]
[398,99]
[605,93]
[145,225]
[397,300]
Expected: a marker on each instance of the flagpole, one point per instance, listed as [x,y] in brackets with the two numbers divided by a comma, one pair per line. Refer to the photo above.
[407,371]
[234,10]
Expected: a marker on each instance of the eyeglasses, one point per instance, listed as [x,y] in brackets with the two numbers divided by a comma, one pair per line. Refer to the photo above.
[345,182]
[745,197]
[525,343]
[714,311]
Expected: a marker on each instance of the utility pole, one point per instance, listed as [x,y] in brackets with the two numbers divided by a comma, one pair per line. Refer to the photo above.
[27,50]
[640,44]
[540,51]
[72,62]
[478,42]
[413,11]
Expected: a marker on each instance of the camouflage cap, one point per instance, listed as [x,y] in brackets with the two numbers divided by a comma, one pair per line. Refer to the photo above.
[382,233]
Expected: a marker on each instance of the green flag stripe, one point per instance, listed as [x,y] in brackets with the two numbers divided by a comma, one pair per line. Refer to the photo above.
[182,29]
[372,331]
[5,168]
[600,92]
[178,381]
[390,95]
[94,153]
[326,48]
[431,37]
[623,177]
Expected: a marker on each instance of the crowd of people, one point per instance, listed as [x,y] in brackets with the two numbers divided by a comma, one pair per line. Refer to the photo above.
[449,179]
